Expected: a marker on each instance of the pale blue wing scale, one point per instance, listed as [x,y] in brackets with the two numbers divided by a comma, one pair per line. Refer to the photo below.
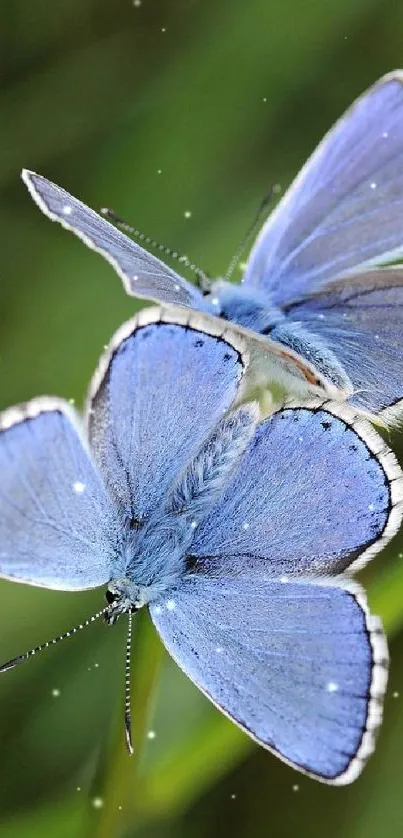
[58,528]
[160,391]
[317,491]
[142,274]
[300,667]
[360,319]
[345,208]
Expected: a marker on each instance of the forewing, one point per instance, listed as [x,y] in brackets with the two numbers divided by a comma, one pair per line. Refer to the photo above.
[317,491]
[360,319]
[142,274]
[57,525]
[345,207]
[300,667]
[165,382]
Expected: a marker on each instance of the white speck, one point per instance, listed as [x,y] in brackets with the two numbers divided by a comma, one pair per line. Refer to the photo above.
[158,609]
[215,301]
[177,287]
[385,135]
[163,29]
[79,487]
[55,693]
[242,266]
[321,316]
[233,796]
[400,555]
[97,802]
[265,98]
[193,524]
[376,337]
[371,507]
[395,694]
[373,185]
[96,665]
[187,214]
[159,171]
[245,525]
[283,579]
[219,649]
[67,210]
[332,687]
[170,604]
[72,401]
[78,788]
[300,439]
[295,787]
[120,808]
[151,734]
[137,3]
[135,278]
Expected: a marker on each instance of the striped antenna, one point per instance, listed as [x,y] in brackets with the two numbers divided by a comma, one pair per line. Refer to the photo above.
[274,190]
[203,280]
[128,718]
[14,661]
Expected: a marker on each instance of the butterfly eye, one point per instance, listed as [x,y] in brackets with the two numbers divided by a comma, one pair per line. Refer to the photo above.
[110,596]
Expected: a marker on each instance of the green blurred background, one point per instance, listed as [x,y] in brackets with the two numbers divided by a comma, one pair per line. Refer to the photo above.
[158,109]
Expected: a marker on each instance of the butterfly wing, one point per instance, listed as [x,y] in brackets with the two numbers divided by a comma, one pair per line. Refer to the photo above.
[360,318]
[345,207]
[165,382]
[142,274]
[58,528]
[317,491]
[300,667]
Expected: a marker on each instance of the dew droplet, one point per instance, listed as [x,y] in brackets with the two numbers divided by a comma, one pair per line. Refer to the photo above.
[55,692]
[67,210]
[97,802]
[396,694]
[187,214]
[295,787]
[79,487]
[151,734]
[332,687]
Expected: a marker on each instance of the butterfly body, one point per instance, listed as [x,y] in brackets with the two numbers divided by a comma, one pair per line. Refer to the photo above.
[255,311]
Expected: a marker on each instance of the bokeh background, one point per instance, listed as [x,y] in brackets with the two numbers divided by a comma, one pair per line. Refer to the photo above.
[159,109]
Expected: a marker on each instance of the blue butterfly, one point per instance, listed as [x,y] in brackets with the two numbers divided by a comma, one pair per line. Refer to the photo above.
[320,306]
[234,532]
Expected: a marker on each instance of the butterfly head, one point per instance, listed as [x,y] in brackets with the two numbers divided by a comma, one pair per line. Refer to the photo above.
[123,597]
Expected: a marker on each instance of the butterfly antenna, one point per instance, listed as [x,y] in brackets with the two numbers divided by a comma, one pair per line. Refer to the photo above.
[14,661]
[273,191]
[128,717]
[203,279]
